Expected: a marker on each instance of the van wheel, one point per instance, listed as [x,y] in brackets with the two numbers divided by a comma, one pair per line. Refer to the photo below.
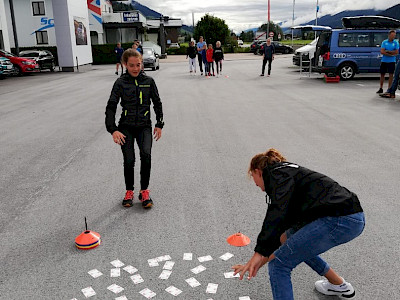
[346,71]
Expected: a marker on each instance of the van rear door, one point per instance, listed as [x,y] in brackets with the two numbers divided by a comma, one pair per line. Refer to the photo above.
[322,52]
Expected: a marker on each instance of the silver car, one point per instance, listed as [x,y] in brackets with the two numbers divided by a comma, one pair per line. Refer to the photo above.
[151,59]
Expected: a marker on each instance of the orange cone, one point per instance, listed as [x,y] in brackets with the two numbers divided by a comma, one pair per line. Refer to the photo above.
[238,240]
[87,239]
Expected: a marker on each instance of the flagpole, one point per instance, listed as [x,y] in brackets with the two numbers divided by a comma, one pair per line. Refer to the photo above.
[269,8]
[316,18]
[292,22]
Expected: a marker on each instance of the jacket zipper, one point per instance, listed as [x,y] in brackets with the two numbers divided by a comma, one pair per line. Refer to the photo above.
[137,103]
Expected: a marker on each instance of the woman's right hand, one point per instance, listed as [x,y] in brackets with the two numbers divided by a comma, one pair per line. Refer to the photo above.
[118,137]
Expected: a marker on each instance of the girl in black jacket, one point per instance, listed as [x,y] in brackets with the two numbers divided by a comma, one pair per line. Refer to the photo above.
[308,214]
[191,52]
[218,56]
[136,92]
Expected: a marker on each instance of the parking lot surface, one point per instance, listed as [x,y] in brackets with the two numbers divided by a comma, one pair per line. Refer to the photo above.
[59,165]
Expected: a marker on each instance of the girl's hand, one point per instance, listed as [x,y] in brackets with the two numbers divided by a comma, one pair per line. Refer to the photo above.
[252,266]
[157,133]
[118,138]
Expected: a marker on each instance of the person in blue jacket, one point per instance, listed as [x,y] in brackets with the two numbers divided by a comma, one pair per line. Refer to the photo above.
[118,55]
[308,214]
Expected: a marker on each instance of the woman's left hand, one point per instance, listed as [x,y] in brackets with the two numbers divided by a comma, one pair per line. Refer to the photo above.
[252,266]
[157,133]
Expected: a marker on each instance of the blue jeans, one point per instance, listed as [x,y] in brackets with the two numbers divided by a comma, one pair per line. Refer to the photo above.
[306,244]
[393,87]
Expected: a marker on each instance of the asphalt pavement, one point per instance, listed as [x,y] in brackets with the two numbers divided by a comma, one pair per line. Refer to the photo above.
[59,165]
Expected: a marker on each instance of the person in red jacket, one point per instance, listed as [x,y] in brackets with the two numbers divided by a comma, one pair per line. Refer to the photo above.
[308,214]
[210,60]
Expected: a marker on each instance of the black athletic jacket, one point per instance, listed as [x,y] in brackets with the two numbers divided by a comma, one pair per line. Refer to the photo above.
[218,54]
[298,196]
[136,95]
[191,52]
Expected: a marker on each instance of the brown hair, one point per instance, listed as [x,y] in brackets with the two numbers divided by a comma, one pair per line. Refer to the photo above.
[128,53]
[261,160]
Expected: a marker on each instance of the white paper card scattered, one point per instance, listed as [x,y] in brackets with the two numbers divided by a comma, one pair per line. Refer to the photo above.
[117,263]
[115,272]
[212,288]
[121,298]
[88,292]
[226,256]
[192,282]
[163,258]
[147,293]
[173,290]
[168,265]
[244,298]
[165,274]
[137,278]
[230,275]
[198,269]
[205,258]
[130,269]
[153,262]
[187,256]
[115,288]
[95,273]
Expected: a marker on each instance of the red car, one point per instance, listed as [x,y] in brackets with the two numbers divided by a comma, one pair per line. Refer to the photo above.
[23,65]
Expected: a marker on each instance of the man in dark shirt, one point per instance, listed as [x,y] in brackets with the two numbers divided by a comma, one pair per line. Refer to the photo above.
[268,56]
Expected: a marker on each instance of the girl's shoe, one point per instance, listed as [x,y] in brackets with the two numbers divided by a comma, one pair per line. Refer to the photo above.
[128,200]
[345,289]
[387,95]
[144,197]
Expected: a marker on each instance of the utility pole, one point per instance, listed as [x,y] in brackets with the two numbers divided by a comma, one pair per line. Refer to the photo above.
[316,18]
[269,8]
[14,27]
[292,22]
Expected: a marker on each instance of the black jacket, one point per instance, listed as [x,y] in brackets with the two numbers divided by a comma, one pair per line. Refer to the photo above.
[298,196]
[218,54]
[191,52]
[136,95]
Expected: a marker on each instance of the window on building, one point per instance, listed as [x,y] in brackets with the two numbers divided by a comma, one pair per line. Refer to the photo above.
[42,38]
[38,8]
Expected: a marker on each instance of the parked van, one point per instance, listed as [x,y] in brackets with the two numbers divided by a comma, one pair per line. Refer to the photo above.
[348,51]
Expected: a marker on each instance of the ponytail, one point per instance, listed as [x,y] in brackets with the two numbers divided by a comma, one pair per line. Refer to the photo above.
[261,160]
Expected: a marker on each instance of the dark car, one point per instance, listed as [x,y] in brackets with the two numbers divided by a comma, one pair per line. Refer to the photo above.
[151,58]
[44,58]
[6,67]
[279,48]
[22,64]
[255,46]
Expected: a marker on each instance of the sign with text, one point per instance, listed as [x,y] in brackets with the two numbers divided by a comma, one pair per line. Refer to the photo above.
[131,16]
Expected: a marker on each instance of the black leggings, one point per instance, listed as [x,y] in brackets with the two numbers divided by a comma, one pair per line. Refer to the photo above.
[218,63]
[200,59]
[265,60]
[144,141]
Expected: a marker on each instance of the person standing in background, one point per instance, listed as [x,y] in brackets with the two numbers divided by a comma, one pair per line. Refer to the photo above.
[118,55]
[191,53]
[201,47]
[389,51]
[268,56]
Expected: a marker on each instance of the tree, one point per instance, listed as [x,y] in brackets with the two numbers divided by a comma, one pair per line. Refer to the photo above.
[247,36]
[275,28]
[213,29]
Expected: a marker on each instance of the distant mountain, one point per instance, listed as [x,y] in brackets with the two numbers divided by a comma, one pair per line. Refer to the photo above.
[147,12]
[393,12]
[187,28]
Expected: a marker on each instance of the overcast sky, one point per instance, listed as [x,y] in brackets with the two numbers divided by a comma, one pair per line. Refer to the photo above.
[242,14]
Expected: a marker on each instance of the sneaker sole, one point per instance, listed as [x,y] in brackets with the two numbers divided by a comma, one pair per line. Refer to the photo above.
[149,205]
[335,293]
[127,204]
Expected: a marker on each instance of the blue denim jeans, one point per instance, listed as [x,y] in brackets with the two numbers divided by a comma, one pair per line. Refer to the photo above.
[393,87]
[306,244]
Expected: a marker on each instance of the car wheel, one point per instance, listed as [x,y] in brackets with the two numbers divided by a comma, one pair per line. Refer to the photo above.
[256,52]
[286,51]
[53,66]
[154,67]
[346,71]
[19,70]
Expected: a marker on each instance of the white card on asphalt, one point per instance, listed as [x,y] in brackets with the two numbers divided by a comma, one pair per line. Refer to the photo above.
[117,263]
[137,278]
[205,258]
[165,274]
[115,288]
[244,298]
[226,256]
[121,298]
[130,269]
[198,269]
[168,265]
[153,262]
[192,282]
[147,293]
[88,292]
[212,288]
[173,290]
[187,256]
[115,272]
[95,273]
[230,275]
[163,258]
